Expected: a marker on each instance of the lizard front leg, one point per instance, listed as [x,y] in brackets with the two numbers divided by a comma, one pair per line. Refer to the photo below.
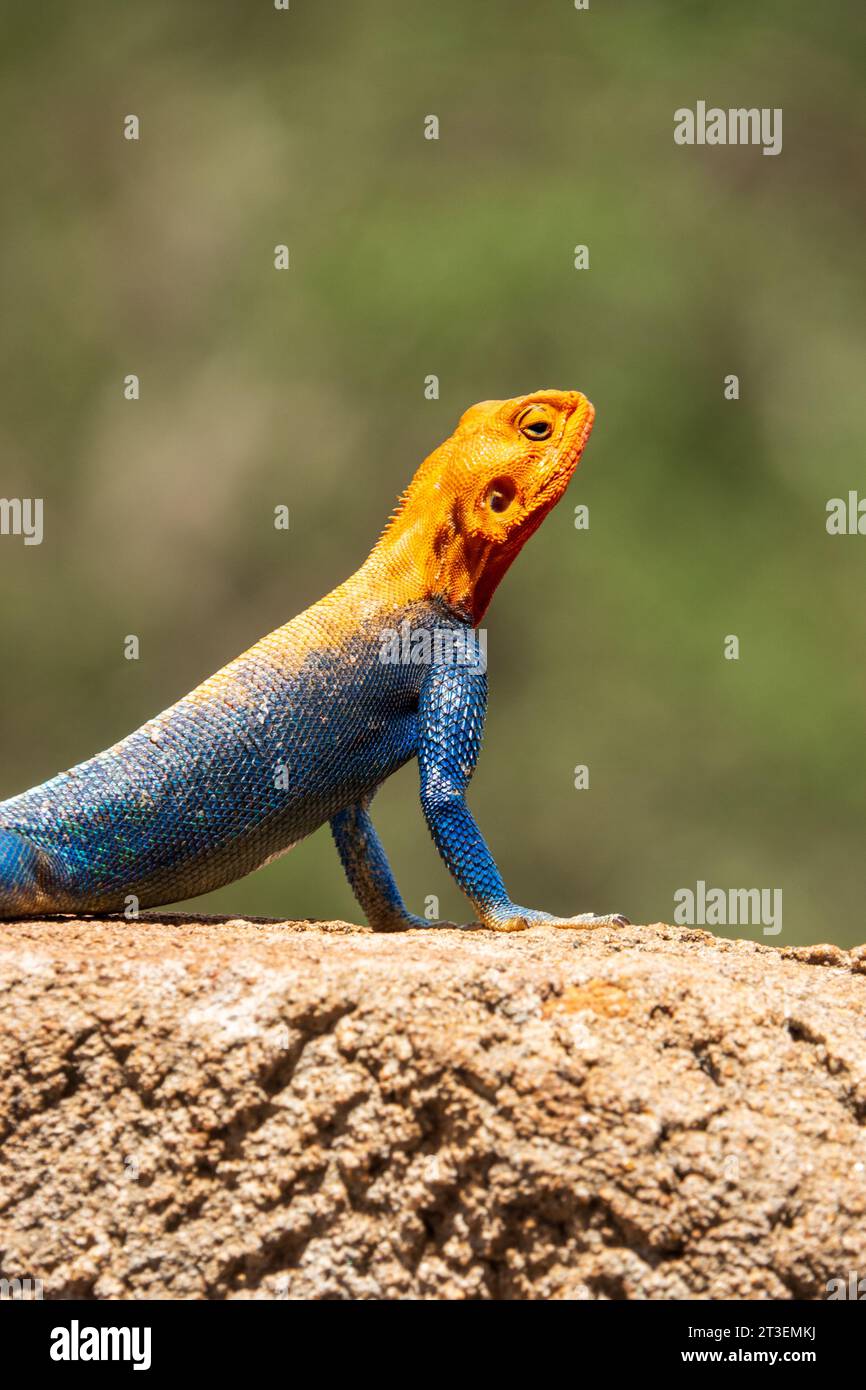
[369,873]
[451,713]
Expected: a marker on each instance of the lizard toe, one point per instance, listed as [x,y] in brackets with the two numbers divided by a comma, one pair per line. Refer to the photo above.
[591,919]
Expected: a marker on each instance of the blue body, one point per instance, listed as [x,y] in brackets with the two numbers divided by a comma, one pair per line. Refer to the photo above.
[225,781]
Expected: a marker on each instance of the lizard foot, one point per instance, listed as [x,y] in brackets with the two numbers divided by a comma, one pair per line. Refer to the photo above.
[408,921]
[520,918]
[591,919]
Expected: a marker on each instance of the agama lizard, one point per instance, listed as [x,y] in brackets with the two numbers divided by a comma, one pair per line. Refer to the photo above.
[306,725]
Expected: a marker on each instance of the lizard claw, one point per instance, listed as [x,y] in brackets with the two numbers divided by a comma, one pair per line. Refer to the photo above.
[589,919]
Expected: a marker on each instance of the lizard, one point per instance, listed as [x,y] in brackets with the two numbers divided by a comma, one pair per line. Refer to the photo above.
[305,726]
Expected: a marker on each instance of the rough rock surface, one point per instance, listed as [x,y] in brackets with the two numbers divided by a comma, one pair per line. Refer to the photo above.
[209,1109]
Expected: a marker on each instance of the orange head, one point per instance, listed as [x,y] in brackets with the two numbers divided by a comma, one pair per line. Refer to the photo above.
[478,498]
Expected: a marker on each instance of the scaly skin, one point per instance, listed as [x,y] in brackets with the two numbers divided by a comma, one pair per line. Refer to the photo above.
[306,725]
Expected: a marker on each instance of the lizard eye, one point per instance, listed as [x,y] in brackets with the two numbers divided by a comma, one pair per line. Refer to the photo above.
[535,424]
[500,495]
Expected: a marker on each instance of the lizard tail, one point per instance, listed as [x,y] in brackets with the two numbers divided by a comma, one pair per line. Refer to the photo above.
[28,876]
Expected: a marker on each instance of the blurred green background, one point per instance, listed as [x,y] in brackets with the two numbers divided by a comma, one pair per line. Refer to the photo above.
[411,257]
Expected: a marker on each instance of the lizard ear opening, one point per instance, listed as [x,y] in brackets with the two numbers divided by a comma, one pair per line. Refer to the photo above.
[499,495]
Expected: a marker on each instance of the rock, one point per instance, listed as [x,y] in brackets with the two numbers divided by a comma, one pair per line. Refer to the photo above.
[194,1108]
